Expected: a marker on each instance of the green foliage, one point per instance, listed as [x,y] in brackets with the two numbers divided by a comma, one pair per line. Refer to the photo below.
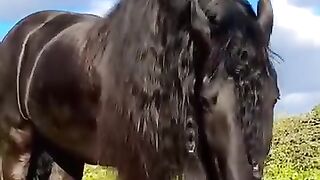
[294,155]
[99,173]
[295,151]
[315,113]
[289,173]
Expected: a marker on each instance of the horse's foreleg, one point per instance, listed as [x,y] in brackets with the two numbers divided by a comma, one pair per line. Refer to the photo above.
[41,163]
[60,174]
[17,154]
[73,168]
[67,172]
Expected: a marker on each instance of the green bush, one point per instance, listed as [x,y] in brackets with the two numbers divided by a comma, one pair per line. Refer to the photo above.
[315,113]
[295,151]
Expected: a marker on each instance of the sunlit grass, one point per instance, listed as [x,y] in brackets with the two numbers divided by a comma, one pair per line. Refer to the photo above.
[99,173]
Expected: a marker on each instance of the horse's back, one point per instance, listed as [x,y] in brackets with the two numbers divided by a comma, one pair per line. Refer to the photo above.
[42,54]
[16,39]
[28,37]
[12,45]
[43,24]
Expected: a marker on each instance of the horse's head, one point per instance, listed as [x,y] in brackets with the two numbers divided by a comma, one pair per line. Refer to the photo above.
[239,88]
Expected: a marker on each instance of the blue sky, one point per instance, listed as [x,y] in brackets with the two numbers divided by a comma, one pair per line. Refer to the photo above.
[296,37]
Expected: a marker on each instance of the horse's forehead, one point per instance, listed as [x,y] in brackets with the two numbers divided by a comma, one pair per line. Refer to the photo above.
[223,89]
[227,98]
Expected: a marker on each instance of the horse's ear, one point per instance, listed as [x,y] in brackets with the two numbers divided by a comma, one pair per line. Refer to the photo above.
[190,11]
[174,6]
[265,17]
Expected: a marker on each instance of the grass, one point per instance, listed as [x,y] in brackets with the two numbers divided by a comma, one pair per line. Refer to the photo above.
[99,173]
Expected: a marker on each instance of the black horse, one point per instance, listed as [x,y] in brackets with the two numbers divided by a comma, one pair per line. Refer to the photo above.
[237,67]
[110,91]
[240,88]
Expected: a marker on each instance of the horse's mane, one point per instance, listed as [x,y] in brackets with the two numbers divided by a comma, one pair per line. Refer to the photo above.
[150,57]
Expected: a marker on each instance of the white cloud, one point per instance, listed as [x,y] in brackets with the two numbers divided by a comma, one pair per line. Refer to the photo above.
[301,20]
[306,3]
[298,102]
[101,7]
[301,98]
[296,38]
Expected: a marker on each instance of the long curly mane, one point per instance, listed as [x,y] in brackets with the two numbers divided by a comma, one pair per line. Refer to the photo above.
[148,75]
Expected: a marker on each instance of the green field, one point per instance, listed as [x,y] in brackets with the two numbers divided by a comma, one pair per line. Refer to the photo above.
[294,155]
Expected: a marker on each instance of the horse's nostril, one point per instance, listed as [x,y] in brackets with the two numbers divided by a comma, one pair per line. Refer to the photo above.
[214,99]
[205,104]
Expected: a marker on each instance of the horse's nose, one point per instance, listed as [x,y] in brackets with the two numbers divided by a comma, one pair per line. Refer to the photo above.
[256,172]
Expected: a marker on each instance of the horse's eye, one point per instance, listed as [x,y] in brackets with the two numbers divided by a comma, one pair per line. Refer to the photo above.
[205,103]
[214,99]
[244,55]
[212,17]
